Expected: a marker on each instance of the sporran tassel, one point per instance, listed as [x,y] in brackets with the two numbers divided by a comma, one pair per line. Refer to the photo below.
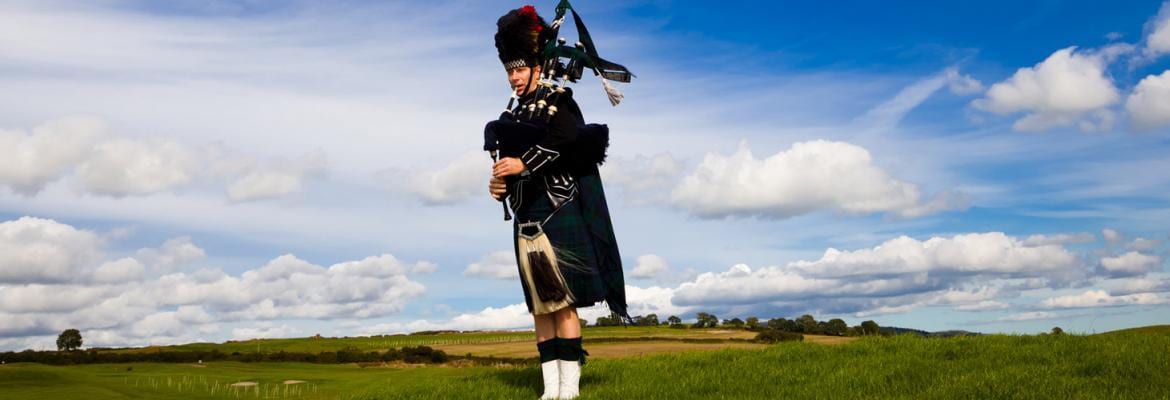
[547,286]
[541,272]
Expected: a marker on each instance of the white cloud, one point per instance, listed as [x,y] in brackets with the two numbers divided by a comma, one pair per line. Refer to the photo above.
[165,324]
[810,176]
[1158,40]
[463,179]
[263,185]
[1131,263]
[962,84]
[645,179]
[978,300]
[1149,104]
[1059,239]
[34,250]
[648,266]
[424,267]
[1143,244]
[967,272]
[122,167]
[277,180]
[992,252]
[172,254]
[650,300]
[497,265]
[1099,298]
[105,164]
[985,305]
[46,286]
[740,285]
[509,317]
[39,298]
[265,330]
[1029,316]
[1068,88]
[121,270]
[1152,283]
[34,159]
[641,301]
[1111,235]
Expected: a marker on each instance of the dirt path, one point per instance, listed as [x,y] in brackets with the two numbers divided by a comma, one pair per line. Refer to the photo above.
[621,349]
[599,350]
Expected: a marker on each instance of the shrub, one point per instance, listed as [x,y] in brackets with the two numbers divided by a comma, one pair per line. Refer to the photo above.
[774,336]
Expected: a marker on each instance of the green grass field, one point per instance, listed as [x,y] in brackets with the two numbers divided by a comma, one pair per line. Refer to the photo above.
[1132,364]
[381,343]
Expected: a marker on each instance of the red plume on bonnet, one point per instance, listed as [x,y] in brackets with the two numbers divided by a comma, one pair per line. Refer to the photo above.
[529,12]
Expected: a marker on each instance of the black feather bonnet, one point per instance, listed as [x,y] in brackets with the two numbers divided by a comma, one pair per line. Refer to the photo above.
[520,36]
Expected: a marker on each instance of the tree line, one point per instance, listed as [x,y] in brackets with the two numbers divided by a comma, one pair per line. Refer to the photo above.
[805,324]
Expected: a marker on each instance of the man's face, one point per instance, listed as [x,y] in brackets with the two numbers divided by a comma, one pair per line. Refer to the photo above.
[520,77]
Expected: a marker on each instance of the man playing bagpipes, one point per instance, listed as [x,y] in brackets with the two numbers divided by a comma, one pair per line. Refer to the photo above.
[547,175]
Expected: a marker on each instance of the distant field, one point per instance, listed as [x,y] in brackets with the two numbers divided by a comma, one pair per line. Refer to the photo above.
[381,343]
[1133,364]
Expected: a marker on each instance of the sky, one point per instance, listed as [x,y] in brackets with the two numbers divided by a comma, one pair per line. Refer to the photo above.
[187,171]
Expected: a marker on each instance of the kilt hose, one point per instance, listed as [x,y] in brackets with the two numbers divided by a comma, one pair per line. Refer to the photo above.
[582,235]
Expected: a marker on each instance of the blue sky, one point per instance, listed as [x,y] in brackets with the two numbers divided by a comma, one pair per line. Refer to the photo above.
[199,170]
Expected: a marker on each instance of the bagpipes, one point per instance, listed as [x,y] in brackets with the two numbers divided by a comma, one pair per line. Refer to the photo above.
[519,129]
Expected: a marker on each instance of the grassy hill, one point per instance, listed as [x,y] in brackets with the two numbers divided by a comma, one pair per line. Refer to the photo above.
[1142,330]
[1113,366]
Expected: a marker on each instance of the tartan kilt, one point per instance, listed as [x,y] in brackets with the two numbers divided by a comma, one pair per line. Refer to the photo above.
[582,235]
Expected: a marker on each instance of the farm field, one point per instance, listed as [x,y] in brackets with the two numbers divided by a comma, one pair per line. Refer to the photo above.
[1129,364]
[381,343]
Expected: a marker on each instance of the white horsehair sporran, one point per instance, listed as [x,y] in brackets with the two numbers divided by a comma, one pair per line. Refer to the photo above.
[540,270]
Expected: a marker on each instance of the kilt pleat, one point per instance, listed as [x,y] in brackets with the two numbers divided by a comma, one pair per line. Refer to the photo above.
[582,234]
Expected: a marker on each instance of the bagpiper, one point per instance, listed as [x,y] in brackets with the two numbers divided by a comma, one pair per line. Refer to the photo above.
[546,174]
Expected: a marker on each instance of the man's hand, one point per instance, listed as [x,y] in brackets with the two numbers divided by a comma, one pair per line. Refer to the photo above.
[497,188]
[508,166]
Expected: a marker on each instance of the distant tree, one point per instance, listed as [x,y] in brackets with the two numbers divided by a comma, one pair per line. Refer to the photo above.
[649,320]
[584,322]
[870,328]
[706,320]
[1057,331]
[734,323]
[712,321]
[775,324]
[790,325]
[783,325]
[853,331]
[674,320]
[807,323]
[611,320]
[69,340]
[836,327]
[752,323]
[773,336]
